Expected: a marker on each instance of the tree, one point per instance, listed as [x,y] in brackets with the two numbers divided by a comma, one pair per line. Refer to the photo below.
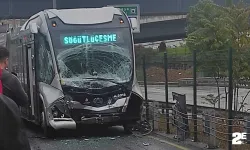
[211,99]
[238,22]
[212,29]
[208,35]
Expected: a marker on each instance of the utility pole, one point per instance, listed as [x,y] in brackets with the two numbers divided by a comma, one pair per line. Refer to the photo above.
[54,4]
[10,8]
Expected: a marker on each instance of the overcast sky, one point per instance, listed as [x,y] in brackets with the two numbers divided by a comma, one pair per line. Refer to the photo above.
[26,8]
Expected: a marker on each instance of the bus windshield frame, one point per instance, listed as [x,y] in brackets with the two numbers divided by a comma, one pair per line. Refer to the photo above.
[78,62]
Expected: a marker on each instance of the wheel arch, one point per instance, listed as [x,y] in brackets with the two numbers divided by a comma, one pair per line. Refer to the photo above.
[135,104]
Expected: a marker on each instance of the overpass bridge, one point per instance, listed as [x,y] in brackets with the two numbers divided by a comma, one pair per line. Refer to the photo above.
[161,30]
[160,20]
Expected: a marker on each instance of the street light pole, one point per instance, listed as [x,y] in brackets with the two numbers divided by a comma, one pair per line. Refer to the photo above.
[10,8]
[54,4]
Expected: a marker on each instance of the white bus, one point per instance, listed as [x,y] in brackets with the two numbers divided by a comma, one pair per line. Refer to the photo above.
[78,67]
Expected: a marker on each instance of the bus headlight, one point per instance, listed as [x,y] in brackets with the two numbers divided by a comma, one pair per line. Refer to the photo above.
[119,96]
[60,109]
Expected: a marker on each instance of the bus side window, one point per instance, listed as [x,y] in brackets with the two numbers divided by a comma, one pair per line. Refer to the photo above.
[45,66]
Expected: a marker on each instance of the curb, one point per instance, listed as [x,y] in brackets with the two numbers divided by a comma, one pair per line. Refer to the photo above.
[158,83]
[188,143]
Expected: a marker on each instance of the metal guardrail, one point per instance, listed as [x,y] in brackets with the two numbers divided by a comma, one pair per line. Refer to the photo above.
[200,82]
[219,124]
[210,122]
[200,109]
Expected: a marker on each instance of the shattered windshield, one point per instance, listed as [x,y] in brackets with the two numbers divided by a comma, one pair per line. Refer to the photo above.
[94,55]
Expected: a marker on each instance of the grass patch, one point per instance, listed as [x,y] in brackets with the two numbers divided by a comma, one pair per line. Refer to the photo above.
[178,51]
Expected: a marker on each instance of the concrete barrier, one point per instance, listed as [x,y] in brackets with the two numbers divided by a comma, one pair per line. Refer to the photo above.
[203,81]
[159,83]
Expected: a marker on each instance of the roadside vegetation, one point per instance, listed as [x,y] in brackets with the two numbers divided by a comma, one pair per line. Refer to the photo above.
[212,30]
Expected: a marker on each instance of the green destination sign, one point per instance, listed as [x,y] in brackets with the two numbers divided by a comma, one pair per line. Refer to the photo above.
[84,39]
[129,10]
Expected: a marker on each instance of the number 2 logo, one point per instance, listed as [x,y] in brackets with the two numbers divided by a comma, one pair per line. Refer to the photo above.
[237,137]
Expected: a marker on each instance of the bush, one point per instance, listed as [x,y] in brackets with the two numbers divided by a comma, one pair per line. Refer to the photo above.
[162,47]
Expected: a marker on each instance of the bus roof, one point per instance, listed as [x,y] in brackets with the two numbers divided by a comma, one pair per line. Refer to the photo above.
[85,15]
[82,15]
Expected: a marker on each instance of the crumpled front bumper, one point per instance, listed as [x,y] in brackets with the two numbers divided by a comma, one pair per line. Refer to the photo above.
[69,123]
[112,115]
[99,120]
[65,123]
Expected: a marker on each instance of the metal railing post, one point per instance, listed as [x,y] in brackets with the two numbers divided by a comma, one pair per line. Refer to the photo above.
[145,87]
[166,89]
[230,97]
[195,95]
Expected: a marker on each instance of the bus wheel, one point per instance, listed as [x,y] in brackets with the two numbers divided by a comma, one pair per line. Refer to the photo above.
[47,130]
[128,128]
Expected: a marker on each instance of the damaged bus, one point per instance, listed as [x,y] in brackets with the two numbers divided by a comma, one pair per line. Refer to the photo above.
[78,67]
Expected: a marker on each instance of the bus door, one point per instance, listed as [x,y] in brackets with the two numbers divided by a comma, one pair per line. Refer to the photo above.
[31,78]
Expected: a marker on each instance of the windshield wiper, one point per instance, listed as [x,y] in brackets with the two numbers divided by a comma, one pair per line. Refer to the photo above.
[110,80]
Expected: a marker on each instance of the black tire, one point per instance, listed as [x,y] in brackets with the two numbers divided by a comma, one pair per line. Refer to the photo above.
[127,128]
[48,131]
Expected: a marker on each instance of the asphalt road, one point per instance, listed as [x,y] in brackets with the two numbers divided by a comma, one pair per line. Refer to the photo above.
[96,138]
[157,92]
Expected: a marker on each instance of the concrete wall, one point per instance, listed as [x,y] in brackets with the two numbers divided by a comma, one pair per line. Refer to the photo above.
[144,19]
[13,23]
[149,19]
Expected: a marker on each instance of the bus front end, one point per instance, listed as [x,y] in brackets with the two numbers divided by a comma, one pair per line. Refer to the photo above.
[94,54]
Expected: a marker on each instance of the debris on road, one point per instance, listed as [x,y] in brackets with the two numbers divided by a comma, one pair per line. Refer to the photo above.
[112,138]
[145,144]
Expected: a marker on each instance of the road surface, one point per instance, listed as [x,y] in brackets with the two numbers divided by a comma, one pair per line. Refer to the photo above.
[157,92]
[98,139]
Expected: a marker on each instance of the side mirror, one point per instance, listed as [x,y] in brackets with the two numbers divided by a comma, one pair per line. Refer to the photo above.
[33,28]
[134,23]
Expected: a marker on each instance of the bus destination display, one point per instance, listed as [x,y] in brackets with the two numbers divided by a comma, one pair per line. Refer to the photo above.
[89,39]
